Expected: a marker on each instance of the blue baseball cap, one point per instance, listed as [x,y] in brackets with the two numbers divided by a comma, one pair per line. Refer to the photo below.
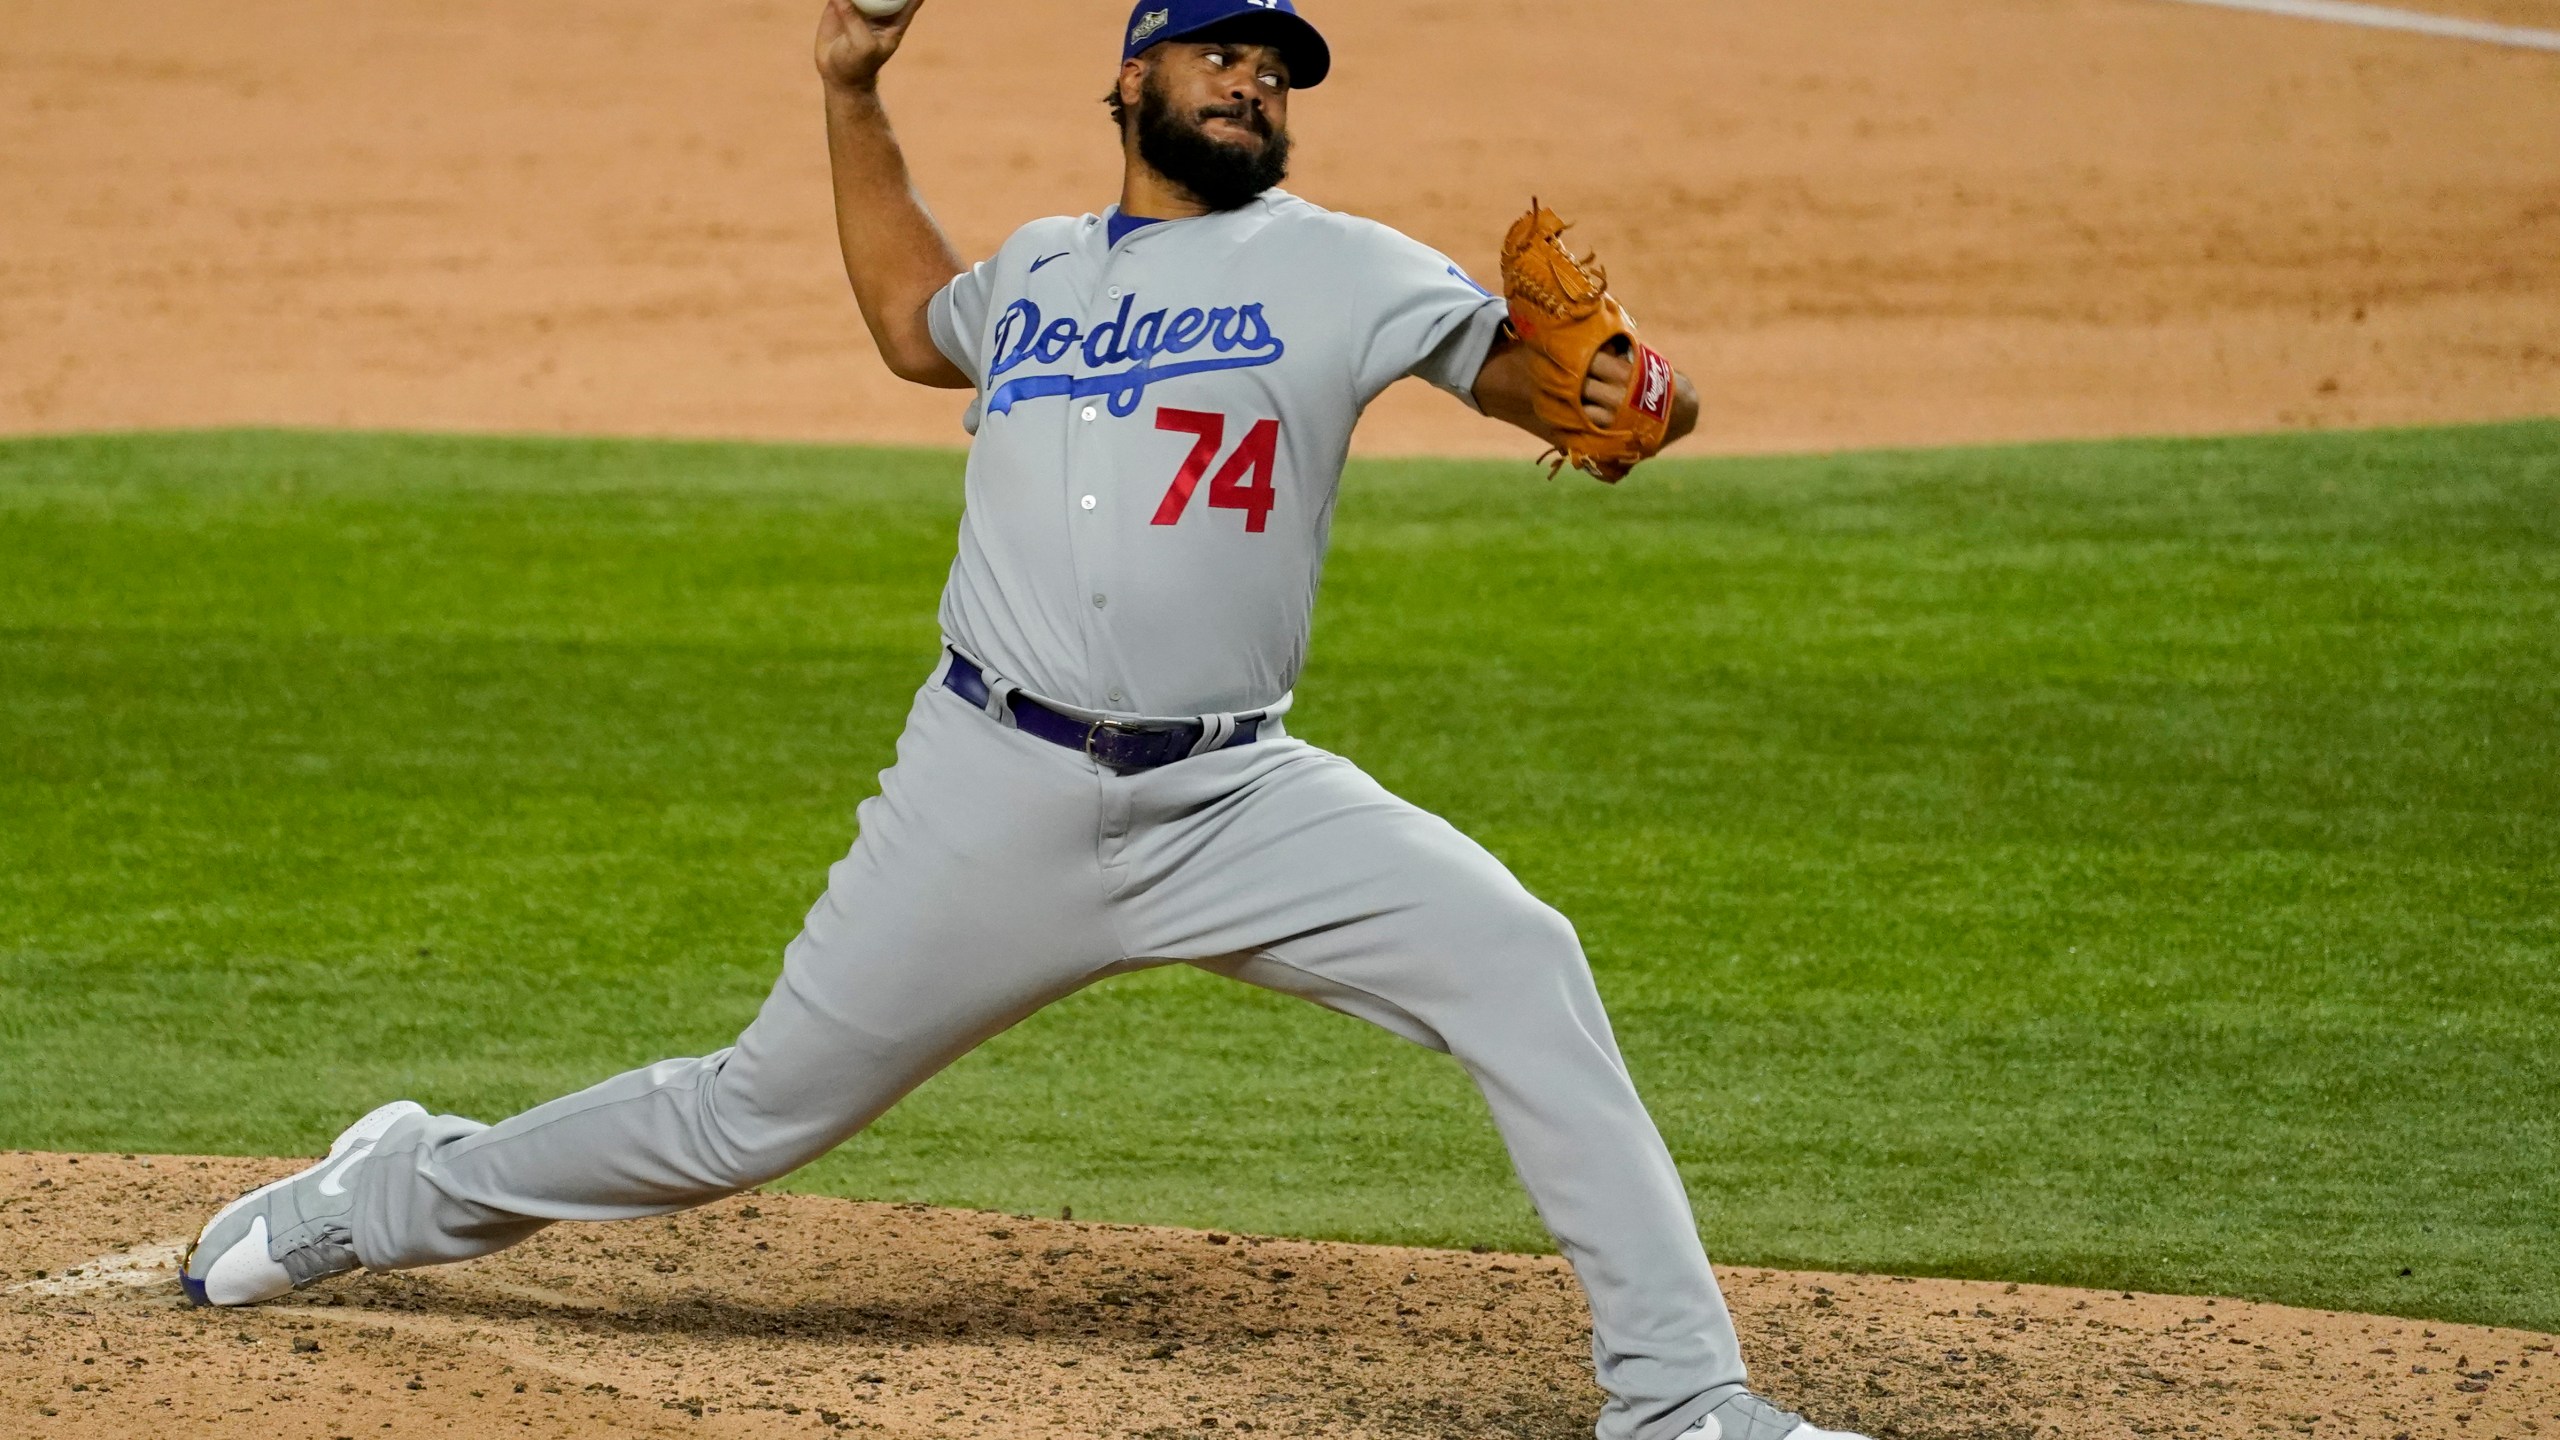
[1271,22]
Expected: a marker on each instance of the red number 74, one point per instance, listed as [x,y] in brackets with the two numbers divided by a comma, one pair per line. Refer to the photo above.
[1243,483]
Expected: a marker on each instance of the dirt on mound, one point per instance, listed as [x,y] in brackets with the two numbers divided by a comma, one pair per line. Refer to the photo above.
[776,1315]
[1859,222]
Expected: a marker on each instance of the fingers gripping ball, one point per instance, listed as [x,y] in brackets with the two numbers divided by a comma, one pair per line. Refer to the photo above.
[1565,316]
[880,9]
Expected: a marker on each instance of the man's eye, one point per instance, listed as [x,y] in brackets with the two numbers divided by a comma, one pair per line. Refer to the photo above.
[1275,82]
[1217,59]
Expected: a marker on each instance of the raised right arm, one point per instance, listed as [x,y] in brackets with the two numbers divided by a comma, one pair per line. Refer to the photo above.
[894,254]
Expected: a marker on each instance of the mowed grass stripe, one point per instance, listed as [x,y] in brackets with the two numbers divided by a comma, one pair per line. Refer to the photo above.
[2126,864]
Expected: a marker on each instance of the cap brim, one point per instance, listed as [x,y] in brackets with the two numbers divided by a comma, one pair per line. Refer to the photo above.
[1310,59]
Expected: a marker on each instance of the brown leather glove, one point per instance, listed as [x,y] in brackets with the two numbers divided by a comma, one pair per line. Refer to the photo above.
[1564,315]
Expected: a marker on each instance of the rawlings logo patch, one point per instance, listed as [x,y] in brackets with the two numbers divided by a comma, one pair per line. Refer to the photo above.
[1652,391]
[1148,24]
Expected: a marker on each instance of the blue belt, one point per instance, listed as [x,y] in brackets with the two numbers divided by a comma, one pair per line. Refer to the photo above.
[1123,746]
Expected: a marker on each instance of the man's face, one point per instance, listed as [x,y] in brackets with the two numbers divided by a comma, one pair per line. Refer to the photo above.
[1213,118]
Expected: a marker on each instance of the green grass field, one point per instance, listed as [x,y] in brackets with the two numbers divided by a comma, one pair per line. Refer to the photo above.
[2132,864]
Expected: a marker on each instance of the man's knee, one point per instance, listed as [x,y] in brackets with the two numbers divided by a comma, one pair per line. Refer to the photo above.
[1510,938]
[1545,930]
[1522,983]
[753,1131]
[1532,925]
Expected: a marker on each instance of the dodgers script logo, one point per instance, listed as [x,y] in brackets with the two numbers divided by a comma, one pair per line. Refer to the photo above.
[1238,336]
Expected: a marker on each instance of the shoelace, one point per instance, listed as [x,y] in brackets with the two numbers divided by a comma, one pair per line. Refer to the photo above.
[331,1252]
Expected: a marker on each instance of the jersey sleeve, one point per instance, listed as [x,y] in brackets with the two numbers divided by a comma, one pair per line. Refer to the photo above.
[957,315]
[1425,318]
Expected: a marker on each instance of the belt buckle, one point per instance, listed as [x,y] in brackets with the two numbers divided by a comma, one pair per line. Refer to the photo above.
[1095,733]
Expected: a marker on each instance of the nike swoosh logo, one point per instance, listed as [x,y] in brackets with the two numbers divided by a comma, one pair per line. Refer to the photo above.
[331,1181]
[1061,255]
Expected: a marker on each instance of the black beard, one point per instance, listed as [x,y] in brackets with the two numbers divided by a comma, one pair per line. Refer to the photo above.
[1218,175]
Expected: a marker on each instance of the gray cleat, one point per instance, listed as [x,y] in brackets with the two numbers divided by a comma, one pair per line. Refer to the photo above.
[1748,1417]
[280,1237]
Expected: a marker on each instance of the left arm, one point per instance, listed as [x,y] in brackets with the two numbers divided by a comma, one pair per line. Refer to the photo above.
[1505,391]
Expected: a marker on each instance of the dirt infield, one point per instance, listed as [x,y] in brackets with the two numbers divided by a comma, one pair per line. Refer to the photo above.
[1869,221]
[782,1315]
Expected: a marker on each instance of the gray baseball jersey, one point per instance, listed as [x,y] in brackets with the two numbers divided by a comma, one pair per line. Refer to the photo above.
[1161,425]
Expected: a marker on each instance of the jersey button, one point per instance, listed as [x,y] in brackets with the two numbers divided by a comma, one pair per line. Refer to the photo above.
[1101,600]
[1088,502]
[1115,292]
[1090,412]
[1119,699]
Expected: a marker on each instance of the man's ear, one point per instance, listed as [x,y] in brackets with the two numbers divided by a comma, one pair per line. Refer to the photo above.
[1133,82]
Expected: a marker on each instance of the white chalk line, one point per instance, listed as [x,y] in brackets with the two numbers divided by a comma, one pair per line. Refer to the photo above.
[2383,17]
[144,1265]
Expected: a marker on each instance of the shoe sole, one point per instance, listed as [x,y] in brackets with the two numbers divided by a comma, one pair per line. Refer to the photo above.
[366,1131]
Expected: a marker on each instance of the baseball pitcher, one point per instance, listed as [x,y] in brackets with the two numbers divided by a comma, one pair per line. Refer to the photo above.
[1097,775]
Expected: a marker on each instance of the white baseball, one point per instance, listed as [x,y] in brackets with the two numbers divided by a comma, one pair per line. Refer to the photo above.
[879,9]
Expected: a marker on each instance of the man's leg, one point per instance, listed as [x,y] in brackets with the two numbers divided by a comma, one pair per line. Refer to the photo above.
[1311,879]
[972,898]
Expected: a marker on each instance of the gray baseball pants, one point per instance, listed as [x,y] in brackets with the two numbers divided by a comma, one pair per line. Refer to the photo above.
[996,873]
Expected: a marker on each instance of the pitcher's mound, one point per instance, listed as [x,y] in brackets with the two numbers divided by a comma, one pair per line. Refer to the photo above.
[790,1315]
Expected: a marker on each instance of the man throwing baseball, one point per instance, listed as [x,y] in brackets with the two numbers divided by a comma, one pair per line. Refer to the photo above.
[1097,775]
